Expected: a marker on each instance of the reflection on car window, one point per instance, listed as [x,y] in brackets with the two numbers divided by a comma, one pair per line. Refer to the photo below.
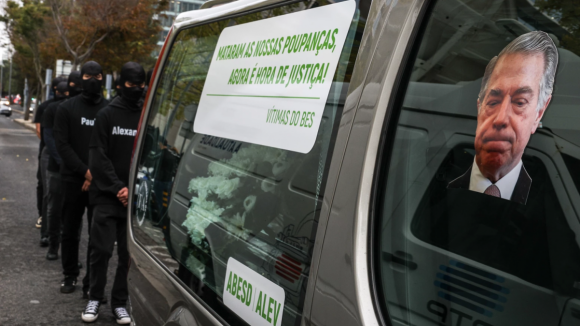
[449,255]
[203,199]
[503,235]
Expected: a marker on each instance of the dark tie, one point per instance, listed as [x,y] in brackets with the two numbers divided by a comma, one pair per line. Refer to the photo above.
[492,190]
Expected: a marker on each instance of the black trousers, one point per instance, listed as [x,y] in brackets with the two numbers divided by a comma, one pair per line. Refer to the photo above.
[39,190]
[109,225]
[44,157]
[54,209]
[75,203]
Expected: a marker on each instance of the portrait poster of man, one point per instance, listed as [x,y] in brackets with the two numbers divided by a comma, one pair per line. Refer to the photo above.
[515,91]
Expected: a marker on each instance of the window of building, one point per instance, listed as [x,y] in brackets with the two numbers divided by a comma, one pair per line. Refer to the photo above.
[173,6]
[187,6]
[166,21]
[449,251]
[269,223]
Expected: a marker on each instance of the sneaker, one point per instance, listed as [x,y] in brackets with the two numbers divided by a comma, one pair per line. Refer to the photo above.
[86,294]
[44,242]
[39,222]
[68,285]
[91,312]
[122,316]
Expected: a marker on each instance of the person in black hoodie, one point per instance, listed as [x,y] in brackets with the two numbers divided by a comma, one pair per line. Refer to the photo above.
[109,161]
[41,192]
[117,87]
[53,179]
[75,82]
[73,127]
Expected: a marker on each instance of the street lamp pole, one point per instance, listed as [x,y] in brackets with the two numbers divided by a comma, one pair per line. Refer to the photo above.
[25,100]
[1,73]
[10,84]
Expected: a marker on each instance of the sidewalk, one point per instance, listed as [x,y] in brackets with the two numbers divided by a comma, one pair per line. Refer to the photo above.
[17,109]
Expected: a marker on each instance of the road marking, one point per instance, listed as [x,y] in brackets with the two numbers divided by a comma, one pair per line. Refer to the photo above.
[16,131]
[20,145]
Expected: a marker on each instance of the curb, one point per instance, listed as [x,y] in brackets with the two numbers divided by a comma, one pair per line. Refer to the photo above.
[26,124]
[17,108]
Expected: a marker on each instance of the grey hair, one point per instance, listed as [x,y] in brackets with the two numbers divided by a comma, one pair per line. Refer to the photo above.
[536,42]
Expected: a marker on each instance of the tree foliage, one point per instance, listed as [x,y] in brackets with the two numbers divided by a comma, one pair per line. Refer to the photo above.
[29,30]
[110,32]
[134,38]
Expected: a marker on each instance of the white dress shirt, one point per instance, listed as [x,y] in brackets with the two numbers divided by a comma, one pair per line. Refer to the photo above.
[506,184]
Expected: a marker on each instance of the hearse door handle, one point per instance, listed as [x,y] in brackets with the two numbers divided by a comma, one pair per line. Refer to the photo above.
[400,258]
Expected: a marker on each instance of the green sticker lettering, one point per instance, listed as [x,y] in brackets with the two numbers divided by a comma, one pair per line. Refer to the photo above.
[229,287]
[259,305]
[270,309]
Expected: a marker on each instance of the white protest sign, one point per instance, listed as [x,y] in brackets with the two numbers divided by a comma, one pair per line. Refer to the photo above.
[269,80]
[253,297]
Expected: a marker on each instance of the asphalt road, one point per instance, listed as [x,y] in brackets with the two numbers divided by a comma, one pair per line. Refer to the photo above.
[30,284]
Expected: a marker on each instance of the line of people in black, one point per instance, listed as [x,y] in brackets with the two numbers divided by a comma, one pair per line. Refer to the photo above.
[86,143]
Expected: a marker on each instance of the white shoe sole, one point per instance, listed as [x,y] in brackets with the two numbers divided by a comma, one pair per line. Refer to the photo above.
[89,319]
[124,321]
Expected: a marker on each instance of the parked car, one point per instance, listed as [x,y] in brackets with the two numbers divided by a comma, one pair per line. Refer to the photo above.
[357,222]
[5,110]
[32,105]
[4,101]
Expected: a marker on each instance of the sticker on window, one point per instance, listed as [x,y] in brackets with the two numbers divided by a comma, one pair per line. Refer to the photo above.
[515,91]
[253,297]
[269,80]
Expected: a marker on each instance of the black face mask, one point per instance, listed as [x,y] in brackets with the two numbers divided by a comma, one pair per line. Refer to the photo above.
[77,80]
[133,73]
[74,91]
[131,94]
[92,86]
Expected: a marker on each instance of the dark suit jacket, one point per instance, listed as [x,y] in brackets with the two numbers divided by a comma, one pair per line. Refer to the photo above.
[521,190]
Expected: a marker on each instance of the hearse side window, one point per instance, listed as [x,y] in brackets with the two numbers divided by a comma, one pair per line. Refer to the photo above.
[477,197]
[202,200]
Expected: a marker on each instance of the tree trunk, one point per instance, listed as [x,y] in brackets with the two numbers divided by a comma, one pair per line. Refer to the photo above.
[38,97]
[42,94]
[26,100]
[25,103]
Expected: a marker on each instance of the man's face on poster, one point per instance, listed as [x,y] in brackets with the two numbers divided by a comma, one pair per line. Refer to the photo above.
[508,113]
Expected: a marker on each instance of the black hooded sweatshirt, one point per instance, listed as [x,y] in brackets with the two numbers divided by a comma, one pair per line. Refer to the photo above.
[112,142]
[47,126]
[38,115]
[72,86]
[73,125]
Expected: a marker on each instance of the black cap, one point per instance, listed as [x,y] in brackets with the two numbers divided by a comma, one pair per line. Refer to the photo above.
[91,68]
[132,72]
[76,78]
[62,87]
[55,82]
